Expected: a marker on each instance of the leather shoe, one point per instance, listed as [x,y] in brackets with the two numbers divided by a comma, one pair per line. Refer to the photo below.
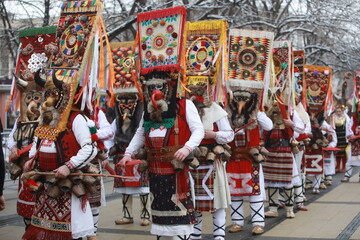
[290,214]
[235,228]
[145,222]
[257,230]
[316,191]
[345,179]
[271,214]
[124,221]
[301,207]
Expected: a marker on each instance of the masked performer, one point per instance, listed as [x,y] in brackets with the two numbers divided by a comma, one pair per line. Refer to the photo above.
[33,56]
[63,141]
[170,128]
[302,139]
[129,109]
[60,152]
[248,67]
[245,162]
[206,47]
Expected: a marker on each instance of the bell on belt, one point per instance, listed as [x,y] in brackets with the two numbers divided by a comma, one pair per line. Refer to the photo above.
[79,190]
[65,185]
[53,191]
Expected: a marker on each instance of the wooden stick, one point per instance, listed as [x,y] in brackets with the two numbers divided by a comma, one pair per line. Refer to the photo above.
[32,173]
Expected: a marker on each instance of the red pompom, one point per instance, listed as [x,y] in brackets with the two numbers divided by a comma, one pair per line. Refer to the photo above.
[94,138]
[101,145]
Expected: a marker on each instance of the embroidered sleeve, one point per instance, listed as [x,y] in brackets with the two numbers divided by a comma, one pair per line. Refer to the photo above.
[225,133]
[299,125]
[195,125]
[264,121]
[137,141]
[87,151]
[11,142]
[105,130]
[33,148]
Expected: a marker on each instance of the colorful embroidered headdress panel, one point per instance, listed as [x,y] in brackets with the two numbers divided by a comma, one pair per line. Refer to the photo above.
[206,54]
[357,84]
[124,60]
[318,88]
[282,59]
[282,75]
[75,61]
[33,55]
[249,54]
[249,68]
[160,39]
[299,61]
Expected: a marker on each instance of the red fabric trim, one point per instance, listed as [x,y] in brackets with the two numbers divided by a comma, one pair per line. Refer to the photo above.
[36,233]
[161,13]
[162,68]
[253,137]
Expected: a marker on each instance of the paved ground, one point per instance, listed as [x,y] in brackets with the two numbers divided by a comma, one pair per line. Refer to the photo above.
[333,214]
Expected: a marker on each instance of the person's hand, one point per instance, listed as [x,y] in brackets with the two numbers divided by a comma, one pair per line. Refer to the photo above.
[14,154]
[289,123]
[351,137]
[123,161]
[62,172]
[2,203]
[104,163]
[29,165]
[182,153]
[209,135]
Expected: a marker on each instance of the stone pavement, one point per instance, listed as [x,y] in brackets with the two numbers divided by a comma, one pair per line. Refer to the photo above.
[333,214]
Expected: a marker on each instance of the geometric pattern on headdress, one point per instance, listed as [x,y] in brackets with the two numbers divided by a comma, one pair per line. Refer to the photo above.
[249,52]
[205,45]
[299,61]
[282,53]
[124,59]
[317,82]
[161,39]
[75,33]
[34,54]
[357,84]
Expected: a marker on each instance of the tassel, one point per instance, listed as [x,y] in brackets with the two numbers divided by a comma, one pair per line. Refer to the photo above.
[111,77]
[162,13]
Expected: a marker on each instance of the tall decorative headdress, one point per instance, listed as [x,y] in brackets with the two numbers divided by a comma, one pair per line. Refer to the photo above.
[126,87]
[160,56]
[160,39]
[318,88]
[249,68]
[299,62]
[281,84]
[75,61]
[34,53]
[206,56]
